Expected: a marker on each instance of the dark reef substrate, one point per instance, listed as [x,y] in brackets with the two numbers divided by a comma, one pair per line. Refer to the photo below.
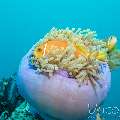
[12,105]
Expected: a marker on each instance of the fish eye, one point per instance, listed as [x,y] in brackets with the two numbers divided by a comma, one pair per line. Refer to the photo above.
[39,49]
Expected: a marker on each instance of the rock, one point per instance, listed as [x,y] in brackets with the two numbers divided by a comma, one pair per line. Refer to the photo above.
[22,113]
[9,96]
[12,105]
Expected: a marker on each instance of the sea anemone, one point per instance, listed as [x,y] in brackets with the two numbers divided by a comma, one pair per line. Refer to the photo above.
[65,71]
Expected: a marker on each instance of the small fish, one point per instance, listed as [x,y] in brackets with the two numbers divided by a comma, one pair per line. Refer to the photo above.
[102,55]
[99,55]
[43,49]
[81,50]
[111,42]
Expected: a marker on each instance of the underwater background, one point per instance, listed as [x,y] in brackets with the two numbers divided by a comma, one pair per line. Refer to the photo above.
[24,22]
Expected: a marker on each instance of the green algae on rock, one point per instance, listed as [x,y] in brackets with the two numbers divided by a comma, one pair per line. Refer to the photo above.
[9,96]
[12,105]
[22,113]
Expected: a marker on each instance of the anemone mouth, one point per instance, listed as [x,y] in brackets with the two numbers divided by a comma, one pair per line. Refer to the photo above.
[78,52]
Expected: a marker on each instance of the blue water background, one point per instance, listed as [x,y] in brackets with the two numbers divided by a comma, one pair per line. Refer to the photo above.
[24,22]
